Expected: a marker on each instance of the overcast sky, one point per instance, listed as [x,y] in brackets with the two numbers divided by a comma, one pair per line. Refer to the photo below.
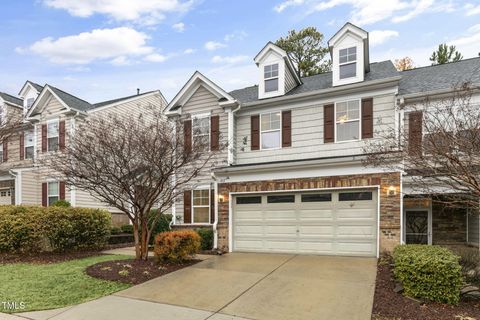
[103,49]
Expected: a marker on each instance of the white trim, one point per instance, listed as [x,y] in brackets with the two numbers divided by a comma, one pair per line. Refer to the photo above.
[202,187]
[48,190]
[230,137]
[27,83]
[200,116]
[232,194]
[215,223]
[40,97]
[73,196]
[402,238]
[57,120]
[18,187]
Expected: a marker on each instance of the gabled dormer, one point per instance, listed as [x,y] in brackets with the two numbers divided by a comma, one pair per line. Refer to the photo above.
[350,57]
[276,71]
[29,94]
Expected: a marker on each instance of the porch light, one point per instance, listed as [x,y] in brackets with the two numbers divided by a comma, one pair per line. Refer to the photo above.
[391,191]
[221,198]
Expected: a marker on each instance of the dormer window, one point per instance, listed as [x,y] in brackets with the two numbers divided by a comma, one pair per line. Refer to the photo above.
[30,102]
[270,73]
[348,62]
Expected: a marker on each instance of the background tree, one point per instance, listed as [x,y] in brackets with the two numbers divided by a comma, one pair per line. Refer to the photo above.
[405,63]
[133,165]
[445,54]
[307,50]
[440,150]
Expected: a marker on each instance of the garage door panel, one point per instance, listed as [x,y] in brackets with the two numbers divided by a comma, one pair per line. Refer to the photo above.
[324,227]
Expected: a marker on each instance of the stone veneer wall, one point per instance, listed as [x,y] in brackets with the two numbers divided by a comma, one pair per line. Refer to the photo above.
[389,205]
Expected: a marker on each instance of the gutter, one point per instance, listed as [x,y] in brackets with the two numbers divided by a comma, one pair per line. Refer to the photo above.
[411,97]
[215,223]
[323,92]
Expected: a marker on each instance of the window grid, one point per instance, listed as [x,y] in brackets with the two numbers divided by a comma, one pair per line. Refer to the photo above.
[347,116]
[270,130]
[53,192]
[270,76]
[53,135]
[29,144]
[348,62]
[201,206]
[201,129]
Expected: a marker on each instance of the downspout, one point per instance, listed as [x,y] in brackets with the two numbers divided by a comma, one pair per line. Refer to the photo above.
[18,186]
[73,189]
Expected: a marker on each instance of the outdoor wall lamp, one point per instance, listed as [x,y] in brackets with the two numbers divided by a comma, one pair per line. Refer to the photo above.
[391,191]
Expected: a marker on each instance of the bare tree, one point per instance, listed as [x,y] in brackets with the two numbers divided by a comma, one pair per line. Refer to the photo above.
[12,124]
[133,164]
[439,149]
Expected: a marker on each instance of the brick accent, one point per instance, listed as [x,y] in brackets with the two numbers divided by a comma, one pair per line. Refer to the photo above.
[389,205]
[449,225]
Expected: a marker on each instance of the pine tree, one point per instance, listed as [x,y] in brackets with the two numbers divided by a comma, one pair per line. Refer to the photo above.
[445,54]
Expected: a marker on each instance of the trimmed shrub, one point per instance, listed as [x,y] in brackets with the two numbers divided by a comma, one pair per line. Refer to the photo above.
[34,229]
[61,203]
[127,228]
[206,235]
[176,246]
[428,272]
[115,230]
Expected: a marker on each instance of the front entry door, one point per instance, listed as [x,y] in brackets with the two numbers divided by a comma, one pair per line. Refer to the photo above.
[417,229]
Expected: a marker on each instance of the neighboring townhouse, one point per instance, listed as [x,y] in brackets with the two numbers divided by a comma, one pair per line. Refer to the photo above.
[292,178]
[51,117]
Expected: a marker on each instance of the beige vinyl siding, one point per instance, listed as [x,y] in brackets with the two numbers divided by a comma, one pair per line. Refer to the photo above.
[52,108]
[201,102]
[144,106]
[31,188]
[307,133]
[473,229]
[85,200]
[289,80]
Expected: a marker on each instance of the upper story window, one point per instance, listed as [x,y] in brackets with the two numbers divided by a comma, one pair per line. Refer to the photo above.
[30,102]
[347,120]
[270,130]
[270,76]
[201,206]
[29,144]
[201,130]
[53,135]
[53,192]
[348,62]
[1,152]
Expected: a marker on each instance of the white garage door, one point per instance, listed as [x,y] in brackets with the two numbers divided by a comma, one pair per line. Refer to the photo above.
[335,223]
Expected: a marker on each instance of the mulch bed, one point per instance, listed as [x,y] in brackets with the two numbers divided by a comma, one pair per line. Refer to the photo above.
[133,271]
[391,305]
[46,257]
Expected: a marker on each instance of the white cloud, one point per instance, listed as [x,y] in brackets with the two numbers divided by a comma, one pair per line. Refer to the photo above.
[467,45]
[367,12]
[155,57]
[121,61]
[179,27]
[230,59]
[146,12]
[94,45]
[377,37]
[472,9]
[189,51]
[213,45]
[288,3]
[237,35]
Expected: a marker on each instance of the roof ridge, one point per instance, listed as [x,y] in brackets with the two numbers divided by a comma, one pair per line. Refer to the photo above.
[123,98]
[68,93]
[440,64]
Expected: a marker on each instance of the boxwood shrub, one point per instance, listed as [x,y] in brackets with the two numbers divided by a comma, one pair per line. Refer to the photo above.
[34,229]
[206,235]
[428,272]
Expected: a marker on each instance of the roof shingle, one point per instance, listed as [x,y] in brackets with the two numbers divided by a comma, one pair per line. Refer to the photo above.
[11,99]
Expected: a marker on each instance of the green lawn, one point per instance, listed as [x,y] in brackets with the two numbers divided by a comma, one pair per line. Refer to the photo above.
[49,286]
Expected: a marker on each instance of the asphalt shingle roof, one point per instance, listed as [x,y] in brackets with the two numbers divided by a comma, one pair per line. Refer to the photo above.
[378,70]
[9,98]
[37,87]
[442,76]
[72,101]
[104,103]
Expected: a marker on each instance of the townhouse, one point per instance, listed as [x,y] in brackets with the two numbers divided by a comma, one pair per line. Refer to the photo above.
[50,117]
[292,178]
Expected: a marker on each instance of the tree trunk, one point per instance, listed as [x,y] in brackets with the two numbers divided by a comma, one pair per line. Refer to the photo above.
[136,237]
[144,240]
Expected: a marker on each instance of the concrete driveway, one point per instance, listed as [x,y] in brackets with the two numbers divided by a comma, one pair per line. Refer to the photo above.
[269,286]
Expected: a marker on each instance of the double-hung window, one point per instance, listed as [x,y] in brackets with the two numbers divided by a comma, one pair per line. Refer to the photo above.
[29,143]
[348,62]
[201,206]
[270,130]
[1,152]
[347,120]
[201,130]
[53,135]
[53,192]
[270,76]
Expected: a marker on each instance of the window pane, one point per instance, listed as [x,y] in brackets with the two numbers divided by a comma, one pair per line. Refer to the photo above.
[317,197]
[53,144]
[201,197]
[30,102]
[354,196]
[53,129]
[281,199]
[201,215]
[353,109]
[29,136]
[29,152]
[52,200]
[53,188]
[271,139]
[348,131]
[343,52]
[348,70]
[249,200]
[271,85]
